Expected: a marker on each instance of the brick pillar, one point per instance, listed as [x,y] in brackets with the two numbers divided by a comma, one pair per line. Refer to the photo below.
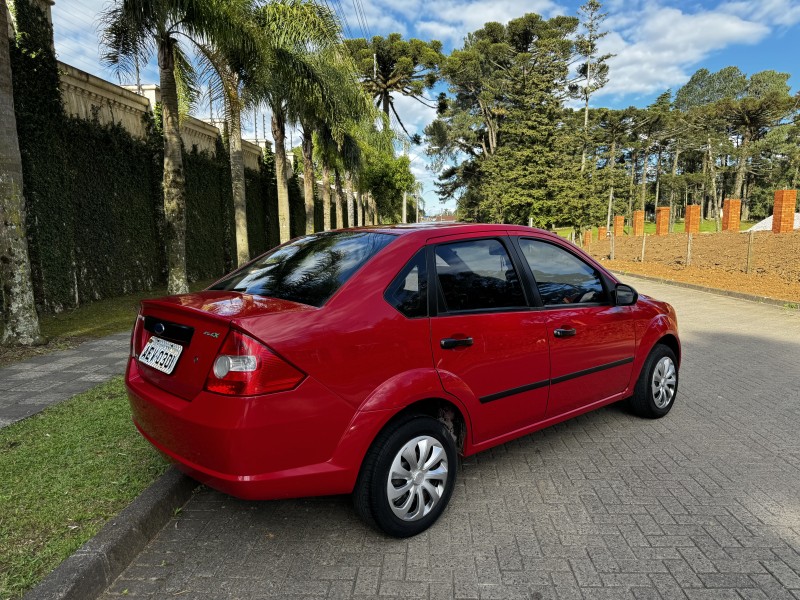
[692,220]
[638,223]
[619,225]
[587,238]
[601,233]
[731,214]
[783,213]
[662,220]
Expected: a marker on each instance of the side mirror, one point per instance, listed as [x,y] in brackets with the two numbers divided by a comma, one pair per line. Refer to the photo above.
[625,295]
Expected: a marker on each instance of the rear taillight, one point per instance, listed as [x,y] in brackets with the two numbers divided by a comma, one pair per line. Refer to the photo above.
[245,367]
[136,336]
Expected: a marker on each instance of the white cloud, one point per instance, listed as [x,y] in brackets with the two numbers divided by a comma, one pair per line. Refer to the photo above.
[782,13]
[76,31]
[655,46]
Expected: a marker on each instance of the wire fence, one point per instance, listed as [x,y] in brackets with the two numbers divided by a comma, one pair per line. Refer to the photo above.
[752,252]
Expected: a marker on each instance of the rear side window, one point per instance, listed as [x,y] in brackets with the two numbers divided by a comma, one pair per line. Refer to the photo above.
[408,293]
[477,275]
[308,270]
[562,277]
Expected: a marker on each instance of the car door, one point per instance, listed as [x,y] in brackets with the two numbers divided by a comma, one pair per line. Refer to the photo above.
[484,334]
[592,341]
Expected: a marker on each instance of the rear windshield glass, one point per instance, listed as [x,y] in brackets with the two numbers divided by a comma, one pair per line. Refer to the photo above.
[308,270]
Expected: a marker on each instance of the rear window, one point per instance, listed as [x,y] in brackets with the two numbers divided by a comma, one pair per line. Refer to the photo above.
[308,270]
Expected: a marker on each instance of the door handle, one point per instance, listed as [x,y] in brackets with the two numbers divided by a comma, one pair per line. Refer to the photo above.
[563,333]
[450,343]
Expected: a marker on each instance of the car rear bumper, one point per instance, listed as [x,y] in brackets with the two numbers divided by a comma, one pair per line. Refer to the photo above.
[306,442]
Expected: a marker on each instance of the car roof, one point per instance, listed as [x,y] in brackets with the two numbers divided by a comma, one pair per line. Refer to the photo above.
[452,228]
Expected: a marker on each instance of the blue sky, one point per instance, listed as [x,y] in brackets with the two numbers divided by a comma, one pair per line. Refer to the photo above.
[658,43]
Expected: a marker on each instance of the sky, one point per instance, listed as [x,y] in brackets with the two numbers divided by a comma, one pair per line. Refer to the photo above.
[658,45]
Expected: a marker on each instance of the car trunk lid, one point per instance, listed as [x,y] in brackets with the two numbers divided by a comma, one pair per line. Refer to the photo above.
[197,324]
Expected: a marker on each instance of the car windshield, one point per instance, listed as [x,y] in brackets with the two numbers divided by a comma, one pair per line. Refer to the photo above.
[308,270]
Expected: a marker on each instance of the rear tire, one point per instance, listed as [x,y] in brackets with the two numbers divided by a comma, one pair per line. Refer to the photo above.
[657,386]
[407,477]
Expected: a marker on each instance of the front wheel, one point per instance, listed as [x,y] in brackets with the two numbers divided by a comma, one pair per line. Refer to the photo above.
[407,477]
[657,386]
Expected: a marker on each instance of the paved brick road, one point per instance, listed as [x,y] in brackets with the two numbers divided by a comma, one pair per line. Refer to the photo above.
[702,504]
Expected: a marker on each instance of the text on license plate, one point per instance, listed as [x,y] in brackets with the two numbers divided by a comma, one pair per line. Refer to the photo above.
[160,354]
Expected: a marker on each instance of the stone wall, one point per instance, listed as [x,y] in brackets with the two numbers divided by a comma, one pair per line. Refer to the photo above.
[88,97]
[91,98]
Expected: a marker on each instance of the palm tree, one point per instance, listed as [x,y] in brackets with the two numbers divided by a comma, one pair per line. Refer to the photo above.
[292,30]
[138,29]
[21,323]
[325,148]
[224,67]
[337,103]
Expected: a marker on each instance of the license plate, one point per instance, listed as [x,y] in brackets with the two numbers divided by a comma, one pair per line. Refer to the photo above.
[161,355]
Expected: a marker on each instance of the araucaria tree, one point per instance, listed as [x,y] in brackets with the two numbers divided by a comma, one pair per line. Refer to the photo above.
[593,70]
[20,321]
[391,65]
[138,29]
[499,139]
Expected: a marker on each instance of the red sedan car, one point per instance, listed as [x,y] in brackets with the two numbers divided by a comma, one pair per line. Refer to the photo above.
[365,361]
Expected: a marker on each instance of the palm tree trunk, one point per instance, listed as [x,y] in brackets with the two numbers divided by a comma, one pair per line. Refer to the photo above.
[237,181]
[350,216]
[359,220]
[326,195]
[339,193]
[308,177]
[174,181]
[279,137]
[20,321]
[373,209]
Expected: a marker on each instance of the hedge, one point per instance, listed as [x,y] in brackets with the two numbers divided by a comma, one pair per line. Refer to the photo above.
[93,192]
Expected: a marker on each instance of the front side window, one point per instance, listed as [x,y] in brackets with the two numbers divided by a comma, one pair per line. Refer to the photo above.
[477,275]
[308,270]
[561,277]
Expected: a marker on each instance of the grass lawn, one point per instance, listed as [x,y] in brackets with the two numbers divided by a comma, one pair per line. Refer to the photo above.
[70,328]
[64,473]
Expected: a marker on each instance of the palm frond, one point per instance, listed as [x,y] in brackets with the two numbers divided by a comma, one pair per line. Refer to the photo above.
[127,37]
[185,81]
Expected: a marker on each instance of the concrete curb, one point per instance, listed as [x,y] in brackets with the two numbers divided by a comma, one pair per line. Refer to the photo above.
[94,566]
[701,288]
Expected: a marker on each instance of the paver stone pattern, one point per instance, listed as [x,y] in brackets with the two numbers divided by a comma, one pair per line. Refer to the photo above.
[703,504]
[29,387]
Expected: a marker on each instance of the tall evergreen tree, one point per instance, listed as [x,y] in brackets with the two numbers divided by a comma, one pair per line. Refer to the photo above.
[593,71]
[500,132]
[392,65]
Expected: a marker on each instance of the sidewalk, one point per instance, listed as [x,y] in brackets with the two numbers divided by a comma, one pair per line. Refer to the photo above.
[29,387]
